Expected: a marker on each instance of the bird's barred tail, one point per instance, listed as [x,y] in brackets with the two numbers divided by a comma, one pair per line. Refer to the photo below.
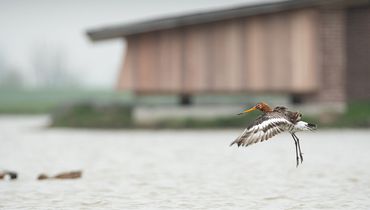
[312,126]
[304,126]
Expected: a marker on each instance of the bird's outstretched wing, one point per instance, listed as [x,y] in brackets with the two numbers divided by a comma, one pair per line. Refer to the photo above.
[263,128]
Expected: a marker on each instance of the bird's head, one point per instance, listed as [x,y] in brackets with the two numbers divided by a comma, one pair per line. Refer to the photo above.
[263,107]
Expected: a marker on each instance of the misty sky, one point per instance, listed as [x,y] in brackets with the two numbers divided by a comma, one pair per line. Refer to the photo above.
[30,29]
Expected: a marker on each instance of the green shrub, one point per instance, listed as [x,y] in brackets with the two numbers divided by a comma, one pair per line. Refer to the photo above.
[357,115]
[93,115]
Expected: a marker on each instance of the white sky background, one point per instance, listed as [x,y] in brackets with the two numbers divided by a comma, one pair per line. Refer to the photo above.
[60,25]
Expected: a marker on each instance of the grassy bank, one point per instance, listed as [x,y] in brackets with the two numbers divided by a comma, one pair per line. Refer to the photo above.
[198,123]
[357,115]
[120,116]
[93,115]
[45,100]
[108,109]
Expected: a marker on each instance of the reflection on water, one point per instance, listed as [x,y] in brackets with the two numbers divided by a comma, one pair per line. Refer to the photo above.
[181,169]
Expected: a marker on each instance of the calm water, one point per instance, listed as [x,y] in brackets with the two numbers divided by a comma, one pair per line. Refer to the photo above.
[181,169]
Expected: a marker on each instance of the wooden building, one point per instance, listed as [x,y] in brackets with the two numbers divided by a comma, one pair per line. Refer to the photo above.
[313,50]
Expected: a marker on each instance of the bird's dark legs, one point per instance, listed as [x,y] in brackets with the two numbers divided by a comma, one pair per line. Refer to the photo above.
[296,149]
[299,148]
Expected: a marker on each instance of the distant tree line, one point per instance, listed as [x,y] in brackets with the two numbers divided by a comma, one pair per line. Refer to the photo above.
[9,77]
[49,70]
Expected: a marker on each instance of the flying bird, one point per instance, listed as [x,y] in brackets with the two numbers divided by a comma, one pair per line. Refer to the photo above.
[271,123]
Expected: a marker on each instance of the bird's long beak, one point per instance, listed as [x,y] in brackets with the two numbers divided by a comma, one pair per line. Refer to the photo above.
[247,110]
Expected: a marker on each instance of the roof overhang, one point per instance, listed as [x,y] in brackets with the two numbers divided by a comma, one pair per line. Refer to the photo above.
[117,31]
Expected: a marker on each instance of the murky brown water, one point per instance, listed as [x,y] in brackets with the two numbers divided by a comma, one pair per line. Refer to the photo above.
[181,169]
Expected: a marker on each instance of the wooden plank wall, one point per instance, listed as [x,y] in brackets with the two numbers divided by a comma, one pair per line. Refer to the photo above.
[275,53]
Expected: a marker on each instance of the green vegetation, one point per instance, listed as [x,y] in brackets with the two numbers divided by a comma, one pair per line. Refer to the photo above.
[107,109]
[18,101]
[90,115]
[119,116]
[198,123]
[357,115]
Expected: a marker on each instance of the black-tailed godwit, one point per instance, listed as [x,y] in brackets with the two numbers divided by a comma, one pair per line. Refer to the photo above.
[271,123]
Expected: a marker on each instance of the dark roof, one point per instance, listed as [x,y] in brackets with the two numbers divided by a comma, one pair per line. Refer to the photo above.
[196,18]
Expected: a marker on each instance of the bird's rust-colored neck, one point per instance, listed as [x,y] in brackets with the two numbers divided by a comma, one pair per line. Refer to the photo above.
[264,108]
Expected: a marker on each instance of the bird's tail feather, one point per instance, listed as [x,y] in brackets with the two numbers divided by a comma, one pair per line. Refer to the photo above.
[304,126]
[311,126]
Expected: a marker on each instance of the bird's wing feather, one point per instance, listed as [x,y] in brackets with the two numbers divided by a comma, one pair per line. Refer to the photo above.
[262,129]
